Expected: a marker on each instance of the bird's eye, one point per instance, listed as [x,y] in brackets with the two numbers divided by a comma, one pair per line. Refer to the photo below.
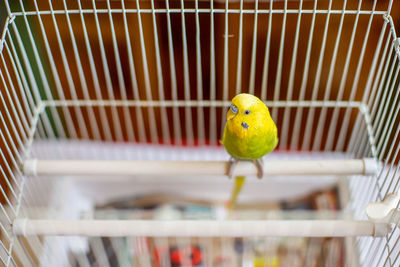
[247,112]
[234,109]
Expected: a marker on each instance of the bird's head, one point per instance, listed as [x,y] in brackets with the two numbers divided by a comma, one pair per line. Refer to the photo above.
[245,111]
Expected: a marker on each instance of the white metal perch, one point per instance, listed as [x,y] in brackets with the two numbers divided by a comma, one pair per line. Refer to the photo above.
[128,168]
[201,228]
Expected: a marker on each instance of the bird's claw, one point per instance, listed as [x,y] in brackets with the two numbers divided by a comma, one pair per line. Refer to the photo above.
[260,168]
[232,163]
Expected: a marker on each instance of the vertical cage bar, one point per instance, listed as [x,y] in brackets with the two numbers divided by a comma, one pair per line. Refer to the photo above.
[335,116]
[22,121]
[186,81]
[278,76]
[382,103]
[317,82]
[264,82]
[27,107]
[357,129]
[107,135]
[286,114]
[17,129]
[92,119]
[294,142]
[26,94]
[134,84]
[174,87]
[253,51]
[384,137]
[240,53]
[346,120]
[121,83]
[72,89]
[322,116]
[160,79]
[35,89]
[11,141]
[59,129]
[71,131]
[376,92]
[199,80]
[150,110]
[225,85]
[114,113]
[213,114]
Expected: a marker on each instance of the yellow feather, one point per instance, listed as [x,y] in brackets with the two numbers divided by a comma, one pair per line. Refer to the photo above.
[239,182]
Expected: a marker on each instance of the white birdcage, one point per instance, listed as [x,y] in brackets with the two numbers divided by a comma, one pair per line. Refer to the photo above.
[110,117]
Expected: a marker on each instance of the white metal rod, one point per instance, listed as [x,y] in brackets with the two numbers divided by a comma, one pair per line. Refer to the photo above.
[311,113]
[21,118]
[108,83]
[264,82]
[322,116]
[355,136]
[173,83]
[380,104]
[82,80]
[299,112]
[58,127]
[58,86]
[254,52]
[197,103]
[376,91]
[32,87]
[239,53]
[121,83]
[201,135]
[147,83]
[95,80]
[225,83]
[134,83]
[27,98]
[271,167]
[186,81]
[203,10]
[346,121]
[335,116]
[70,81]
[18,134]
[278,76]
[200,228]
[8,153]
[390,122]
[213,114]
[161,95]
[286,115]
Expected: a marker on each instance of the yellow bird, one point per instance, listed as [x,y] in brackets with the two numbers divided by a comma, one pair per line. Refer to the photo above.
[250,133]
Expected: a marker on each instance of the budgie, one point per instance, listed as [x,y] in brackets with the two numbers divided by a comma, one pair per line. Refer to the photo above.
[249,134]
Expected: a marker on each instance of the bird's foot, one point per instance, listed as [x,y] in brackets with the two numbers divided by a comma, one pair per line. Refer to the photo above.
[232,163]
[260,167]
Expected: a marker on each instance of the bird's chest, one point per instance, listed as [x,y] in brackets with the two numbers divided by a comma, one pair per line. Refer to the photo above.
[244,134]
[242,142]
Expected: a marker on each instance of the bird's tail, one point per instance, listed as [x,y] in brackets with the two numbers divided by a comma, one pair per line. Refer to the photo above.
[239,182]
